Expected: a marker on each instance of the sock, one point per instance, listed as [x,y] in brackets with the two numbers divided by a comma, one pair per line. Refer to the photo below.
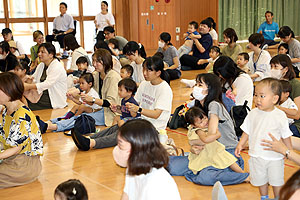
[264,197]
[68,115]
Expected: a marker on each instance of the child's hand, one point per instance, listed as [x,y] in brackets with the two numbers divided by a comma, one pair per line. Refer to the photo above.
[238,150]
[113,107]
[201,61]
[196,149]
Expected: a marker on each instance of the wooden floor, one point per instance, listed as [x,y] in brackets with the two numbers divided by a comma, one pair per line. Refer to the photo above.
[101,176]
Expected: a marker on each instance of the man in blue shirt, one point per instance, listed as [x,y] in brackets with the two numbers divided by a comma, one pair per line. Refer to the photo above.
[269,29]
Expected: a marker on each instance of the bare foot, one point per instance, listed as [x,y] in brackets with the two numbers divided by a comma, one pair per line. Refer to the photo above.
[247,180]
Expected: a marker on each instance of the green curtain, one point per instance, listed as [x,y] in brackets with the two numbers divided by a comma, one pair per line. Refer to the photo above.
[245,16]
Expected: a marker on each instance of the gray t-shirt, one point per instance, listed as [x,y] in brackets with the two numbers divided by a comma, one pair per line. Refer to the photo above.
[226,128]
[169,54]
[294,51]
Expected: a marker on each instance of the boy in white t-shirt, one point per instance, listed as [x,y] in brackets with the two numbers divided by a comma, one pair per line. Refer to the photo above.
[286,103]
[266,167]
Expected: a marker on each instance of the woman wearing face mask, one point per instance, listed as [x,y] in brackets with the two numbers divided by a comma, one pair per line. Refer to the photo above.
[208,92]
[134,53]
[140,151]
[170,55]
[282,68]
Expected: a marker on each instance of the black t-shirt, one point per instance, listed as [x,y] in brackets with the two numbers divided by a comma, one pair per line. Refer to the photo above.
[206,42]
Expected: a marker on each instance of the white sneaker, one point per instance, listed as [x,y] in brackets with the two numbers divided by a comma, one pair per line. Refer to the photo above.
[188,83]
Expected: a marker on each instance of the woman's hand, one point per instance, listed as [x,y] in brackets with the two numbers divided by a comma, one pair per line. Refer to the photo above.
[132,107]
[113,107]
[274,145]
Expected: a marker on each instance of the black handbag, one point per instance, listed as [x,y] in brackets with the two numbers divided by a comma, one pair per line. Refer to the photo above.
[85,124]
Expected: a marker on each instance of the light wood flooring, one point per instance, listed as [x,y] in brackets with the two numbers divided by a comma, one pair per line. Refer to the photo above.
[101,176]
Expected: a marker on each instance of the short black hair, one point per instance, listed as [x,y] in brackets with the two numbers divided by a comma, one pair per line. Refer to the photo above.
[6,31]
[245,55]
[286,86]
[256,38]
[129,85]
[22,66]
[284,45]
[88,77]
[109,29]
[71,189]
[82,60]
[193,113]
[195,24]
[115,42]
[206,22]
[4,46]
[274,85]
[63,3]
[215,49]
[128,68]
[159,54]
[269,12]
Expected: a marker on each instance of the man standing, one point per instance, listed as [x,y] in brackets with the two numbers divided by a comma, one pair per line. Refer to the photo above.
[269,29]
[62,25]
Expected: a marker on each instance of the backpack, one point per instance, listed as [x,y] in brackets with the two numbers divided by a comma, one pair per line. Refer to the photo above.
[238,115]
[85,124]
[177,121]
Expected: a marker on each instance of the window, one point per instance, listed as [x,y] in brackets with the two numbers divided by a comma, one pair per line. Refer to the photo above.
[53,7]
[1,10]
[25,8]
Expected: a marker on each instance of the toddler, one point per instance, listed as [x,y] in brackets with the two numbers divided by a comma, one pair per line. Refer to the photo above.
[242,62]
[71,189]
[213,153]
[266,167]
[283,48]
[126,71]
[127,88]
[286,101]
[214,54]
[113,44]
[86,82]
[188,43]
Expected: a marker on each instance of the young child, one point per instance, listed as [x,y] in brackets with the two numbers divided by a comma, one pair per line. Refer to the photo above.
[127,89]
[126,71]
[214,54]
[266,167]
[286,101]
[242,62]
[38,37]
[83,67]
[188,43]
[71,189]
[283,48]
[86,82]
[213,153]
[140,151]
[113,44]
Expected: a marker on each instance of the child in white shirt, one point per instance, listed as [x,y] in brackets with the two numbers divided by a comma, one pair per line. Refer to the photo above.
[266,167]
[286,102]
[86,82]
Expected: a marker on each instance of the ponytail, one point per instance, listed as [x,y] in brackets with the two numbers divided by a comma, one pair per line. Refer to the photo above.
[155,63]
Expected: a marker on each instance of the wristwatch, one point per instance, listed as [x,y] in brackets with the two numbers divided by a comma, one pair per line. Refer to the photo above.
[287,153]
[94,99]
[139,110]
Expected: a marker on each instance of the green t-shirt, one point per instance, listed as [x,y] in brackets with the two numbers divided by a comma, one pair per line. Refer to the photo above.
[295,93]
[34,52]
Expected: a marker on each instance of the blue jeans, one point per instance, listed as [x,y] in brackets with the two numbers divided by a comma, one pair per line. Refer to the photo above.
[178,166]
[294,130]
[67,124]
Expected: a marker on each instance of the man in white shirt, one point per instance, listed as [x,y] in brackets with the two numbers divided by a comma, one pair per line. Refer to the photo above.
[62,25]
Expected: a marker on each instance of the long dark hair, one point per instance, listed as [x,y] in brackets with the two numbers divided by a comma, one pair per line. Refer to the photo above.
[166,37]
[71,42]
[285,31]
[71,189]
[50,48]
[290,187]
[146,150]
[131,47]
[214,90]
[284,61]
[155,63]
[103,56]
[228,69]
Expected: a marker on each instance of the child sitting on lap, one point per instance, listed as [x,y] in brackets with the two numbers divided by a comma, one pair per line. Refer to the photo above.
[86,82]
[266,167]
[126,71]
[213,153]
[127,89]
[242,62]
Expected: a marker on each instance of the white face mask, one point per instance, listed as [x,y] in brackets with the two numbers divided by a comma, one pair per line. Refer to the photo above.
[121,156]
[197,93]
[276,73]
[161,44]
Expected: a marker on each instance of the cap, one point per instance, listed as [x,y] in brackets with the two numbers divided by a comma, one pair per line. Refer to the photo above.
[5,31]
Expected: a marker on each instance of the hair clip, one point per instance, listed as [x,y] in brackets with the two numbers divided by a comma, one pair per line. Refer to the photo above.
[74,191]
